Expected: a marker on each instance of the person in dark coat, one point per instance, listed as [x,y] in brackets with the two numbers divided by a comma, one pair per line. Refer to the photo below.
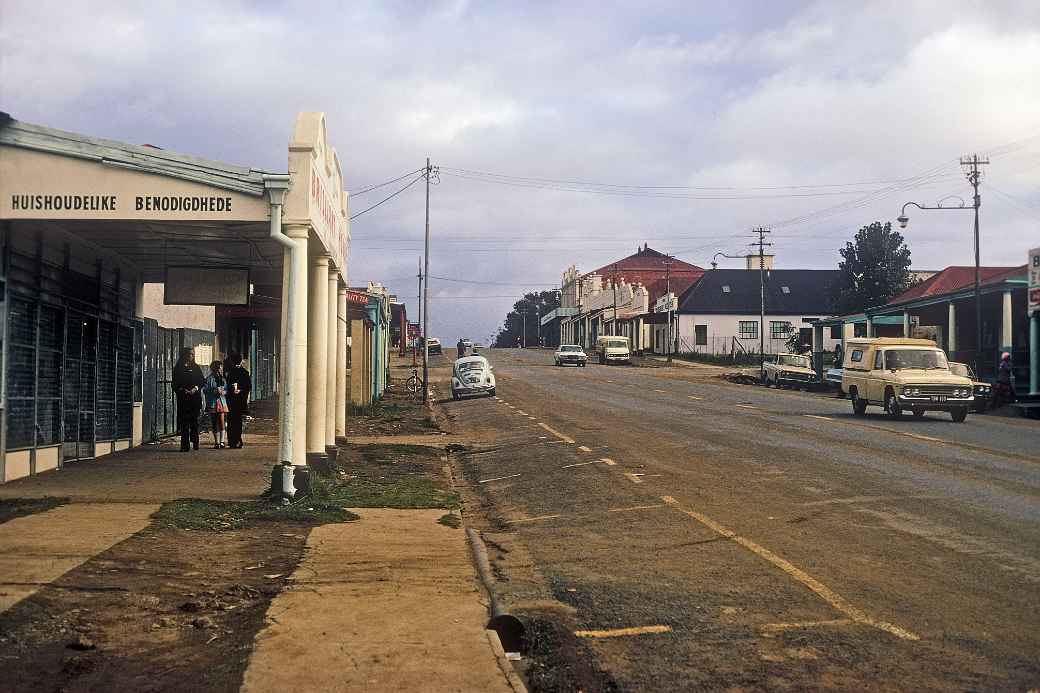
[239,387]
[187,386]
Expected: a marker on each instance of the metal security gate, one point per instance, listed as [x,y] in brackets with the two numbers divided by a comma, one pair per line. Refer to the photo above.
[161,348]
[78,391]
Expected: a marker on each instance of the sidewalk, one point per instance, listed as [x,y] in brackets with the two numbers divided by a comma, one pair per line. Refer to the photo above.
[165,570]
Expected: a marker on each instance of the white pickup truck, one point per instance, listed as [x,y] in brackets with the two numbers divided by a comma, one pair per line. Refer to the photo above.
[789,370]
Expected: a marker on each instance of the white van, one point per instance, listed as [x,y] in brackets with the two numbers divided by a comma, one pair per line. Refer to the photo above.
[613,349]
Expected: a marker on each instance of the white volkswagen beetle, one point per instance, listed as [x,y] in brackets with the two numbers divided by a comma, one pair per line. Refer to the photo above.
[472,375]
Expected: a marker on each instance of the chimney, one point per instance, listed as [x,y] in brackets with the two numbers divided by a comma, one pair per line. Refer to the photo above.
[752,261]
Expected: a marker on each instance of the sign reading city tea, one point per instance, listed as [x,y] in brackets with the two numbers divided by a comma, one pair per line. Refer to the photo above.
[1034,280]
[206,286]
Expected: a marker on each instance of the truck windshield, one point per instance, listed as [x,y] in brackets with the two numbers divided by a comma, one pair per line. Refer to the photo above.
[896,359]
[616,344]
[797,361]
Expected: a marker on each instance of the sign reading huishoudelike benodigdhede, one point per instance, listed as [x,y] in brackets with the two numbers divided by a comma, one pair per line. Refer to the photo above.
[112,203]
[1034,280]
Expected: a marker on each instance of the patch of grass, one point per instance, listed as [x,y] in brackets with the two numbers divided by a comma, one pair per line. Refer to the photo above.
[201,514]
[556,661]
[410,492]
[429,422]
[382,410]
[374,453]
[11,508]
[450,520]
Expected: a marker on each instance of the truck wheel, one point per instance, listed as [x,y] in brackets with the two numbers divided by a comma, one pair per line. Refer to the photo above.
[959,414]
[892,405]
[455,394]
[859,406]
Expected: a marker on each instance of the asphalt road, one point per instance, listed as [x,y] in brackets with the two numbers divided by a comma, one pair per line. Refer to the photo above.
[757,539]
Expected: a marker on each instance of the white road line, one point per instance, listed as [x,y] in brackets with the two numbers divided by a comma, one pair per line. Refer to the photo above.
[663,392]
[635,507]
[835,600]
[498,478]
[747,406]
[578,464]
[521,412]
[622,632]
[814,416]
[607,461]
[566,439]
[694,397]
[634,477]
[584,449]
[532,519]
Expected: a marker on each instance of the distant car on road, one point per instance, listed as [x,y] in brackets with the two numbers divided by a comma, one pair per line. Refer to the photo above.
[983,390]
[833,378]
[570,353]
[613,349]
[471,375]
[435,345]
[904,374]
[789,370]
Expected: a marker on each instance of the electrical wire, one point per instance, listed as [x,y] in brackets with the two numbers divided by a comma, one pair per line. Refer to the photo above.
[473,281]
[370,188]
[387,198]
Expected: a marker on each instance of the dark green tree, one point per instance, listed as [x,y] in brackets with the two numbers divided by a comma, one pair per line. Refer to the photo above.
[535,304]
[875,268]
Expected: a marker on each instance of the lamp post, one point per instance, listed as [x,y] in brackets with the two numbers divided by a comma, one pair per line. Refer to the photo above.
[973,178]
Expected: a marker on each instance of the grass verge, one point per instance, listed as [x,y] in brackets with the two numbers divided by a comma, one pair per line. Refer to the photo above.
[11,508]
[200,514]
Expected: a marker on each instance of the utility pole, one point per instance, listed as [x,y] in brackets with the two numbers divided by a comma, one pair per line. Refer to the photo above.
[523,337]
[667,262]
[974,176]
[426,297]
[418,300]
[761,231]
[614,328]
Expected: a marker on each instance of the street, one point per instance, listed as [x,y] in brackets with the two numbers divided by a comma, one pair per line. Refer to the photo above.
[754,538]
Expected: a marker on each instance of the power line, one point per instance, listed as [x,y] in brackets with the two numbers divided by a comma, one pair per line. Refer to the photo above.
[388,198]
[370,188]
[473,281]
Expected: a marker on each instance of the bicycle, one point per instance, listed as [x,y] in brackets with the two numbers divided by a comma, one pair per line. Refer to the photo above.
[414,383]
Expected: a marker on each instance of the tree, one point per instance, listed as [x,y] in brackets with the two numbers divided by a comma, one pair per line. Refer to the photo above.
[535,304]
[875,268]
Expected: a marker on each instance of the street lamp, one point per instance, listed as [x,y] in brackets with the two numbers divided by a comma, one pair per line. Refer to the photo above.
[973,178]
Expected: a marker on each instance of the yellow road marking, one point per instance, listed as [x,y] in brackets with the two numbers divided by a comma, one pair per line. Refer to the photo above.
[577,464]
[635,507]
[556,433]
[607,461]
[694,397]
[663,392]
[584,449]
[498,478]
[834,599]
[622,632]
[532,519]
[747,406]
[801,625]
[814,416]
[634,477]
[521,412]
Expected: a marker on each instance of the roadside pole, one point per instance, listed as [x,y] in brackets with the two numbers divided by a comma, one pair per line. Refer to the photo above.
[667,290]
[426,299]
[761,231]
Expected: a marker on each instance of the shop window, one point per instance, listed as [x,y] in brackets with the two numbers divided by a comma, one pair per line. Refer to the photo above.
[748,329]
[126,374]
[105,397]
[700,335]
[779,329]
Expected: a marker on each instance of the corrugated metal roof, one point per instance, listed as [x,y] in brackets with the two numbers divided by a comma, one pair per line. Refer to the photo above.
[145,159]
[788,292]
[953,279]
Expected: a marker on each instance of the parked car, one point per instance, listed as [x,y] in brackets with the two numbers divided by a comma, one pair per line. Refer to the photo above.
[833,378]
[613,349]
[904,374]
[471,375]
[789,370]
[570,353]
[983,390]
[435,345]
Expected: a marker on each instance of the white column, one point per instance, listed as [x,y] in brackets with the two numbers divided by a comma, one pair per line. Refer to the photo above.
[341,362]
[1007,332]
[906,323]
[951,327]
[870,328]
[317,353]
[299,289]
[331,342]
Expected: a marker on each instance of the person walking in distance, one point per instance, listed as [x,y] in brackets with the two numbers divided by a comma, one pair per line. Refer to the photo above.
[461,348]
[239,387]
[216,401]
[187,383]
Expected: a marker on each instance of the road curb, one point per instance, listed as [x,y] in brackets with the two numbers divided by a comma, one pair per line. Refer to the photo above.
[514,680]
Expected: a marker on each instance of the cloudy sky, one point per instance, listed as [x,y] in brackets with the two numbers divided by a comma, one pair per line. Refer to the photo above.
[604,125]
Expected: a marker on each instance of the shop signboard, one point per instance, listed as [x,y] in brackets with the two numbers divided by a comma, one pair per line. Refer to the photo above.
[1034,280]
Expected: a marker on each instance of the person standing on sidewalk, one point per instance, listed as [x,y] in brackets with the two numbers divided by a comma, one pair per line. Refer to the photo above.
[187,383]
[239,387]
[216,401]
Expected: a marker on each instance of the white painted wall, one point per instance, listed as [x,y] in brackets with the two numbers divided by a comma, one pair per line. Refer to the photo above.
[723,328]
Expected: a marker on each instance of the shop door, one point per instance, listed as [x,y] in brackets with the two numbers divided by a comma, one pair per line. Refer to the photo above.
[79,385]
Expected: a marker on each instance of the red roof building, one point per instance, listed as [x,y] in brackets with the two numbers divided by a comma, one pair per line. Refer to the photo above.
[654,270]
[955,278]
